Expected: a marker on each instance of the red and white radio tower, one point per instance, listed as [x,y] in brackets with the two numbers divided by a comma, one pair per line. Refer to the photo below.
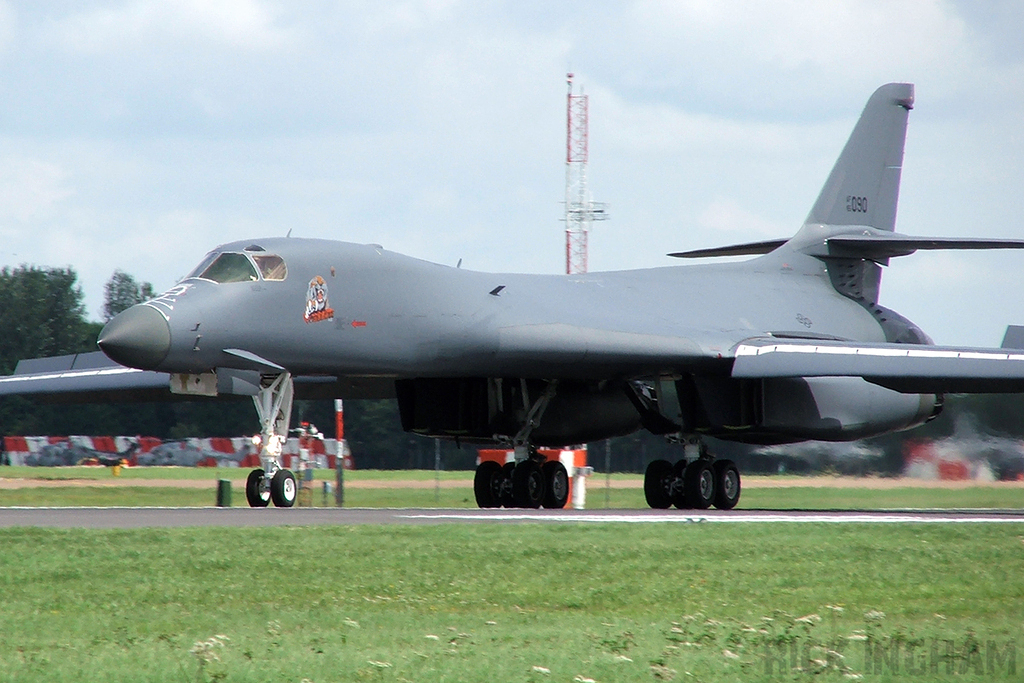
[580,210]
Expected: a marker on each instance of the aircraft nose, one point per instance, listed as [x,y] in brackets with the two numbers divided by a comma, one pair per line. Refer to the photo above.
[138,337]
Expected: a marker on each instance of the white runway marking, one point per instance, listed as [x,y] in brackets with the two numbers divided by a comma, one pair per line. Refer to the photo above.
[129,518]
[852,518]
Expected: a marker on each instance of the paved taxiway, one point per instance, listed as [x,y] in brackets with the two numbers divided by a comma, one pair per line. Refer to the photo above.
[130,518]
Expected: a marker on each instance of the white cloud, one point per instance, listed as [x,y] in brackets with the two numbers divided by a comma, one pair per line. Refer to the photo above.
[797,33]
[238,24]
[30,190]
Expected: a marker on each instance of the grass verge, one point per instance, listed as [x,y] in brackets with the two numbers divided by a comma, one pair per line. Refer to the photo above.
[513,603]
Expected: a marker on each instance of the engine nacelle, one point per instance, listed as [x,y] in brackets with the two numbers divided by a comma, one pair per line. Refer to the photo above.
[840,408]
[781,410]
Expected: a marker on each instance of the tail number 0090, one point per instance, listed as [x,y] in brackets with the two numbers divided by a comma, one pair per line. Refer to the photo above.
[857,204]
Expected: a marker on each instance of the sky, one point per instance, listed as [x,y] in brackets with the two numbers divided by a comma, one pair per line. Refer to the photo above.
[139,135]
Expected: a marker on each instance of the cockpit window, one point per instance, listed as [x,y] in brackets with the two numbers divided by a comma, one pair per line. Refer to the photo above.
[230,267]
[271,267]
[203,265]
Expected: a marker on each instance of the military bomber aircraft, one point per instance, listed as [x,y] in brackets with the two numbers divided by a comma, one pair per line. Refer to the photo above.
[789,346]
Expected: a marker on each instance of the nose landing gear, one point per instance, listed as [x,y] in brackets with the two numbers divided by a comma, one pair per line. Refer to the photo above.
[272,482]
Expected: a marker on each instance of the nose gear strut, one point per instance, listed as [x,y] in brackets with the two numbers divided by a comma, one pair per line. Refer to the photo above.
[273,403]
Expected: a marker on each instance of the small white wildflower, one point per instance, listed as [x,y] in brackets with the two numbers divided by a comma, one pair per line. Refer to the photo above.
[206,650]
[810,619]
[582,679]
[853,677]
[836,609]
[662,673]
[491,623]
[379,665]
[857,636]
[622,658]
[874,615]
[431,636]
[351,622]
[729,654]
[541,670]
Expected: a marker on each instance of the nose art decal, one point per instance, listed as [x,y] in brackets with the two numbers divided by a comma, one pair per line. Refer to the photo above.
[317,306]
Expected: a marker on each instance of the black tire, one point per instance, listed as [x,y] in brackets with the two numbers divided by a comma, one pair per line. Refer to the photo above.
[727,484]
[528,484]
[658,484]
[556,485]
[678,491]
[699,484]
[506,498]
[283,490]
[487,484]
[256,497]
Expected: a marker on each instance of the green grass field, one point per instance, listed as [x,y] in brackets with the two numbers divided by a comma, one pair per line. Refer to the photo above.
[798,497]
[525,603]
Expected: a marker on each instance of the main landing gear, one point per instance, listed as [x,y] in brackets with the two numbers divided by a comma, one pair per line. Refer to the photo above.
[529,483]
[696,484]
[271,482]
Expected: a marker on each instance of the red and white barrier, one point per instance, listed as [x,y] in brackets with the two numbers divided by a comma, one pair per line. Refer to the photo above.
[943,460]
[225,452]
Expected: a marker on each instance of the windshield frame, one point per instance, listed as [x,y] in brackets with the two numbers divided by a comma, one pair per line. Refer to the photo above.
[229,267]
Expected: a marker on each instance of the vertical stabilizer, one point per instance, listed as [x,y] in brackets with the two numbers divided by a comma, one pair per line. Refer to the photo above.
[864,185]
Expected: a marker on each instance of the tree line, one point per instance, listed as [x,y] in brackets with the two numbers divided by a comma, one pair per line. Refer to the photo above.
[42,313]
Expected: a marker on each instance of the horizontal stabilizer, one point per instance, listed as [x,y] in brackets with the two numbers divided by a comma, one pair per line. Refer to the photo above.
[748,249]
[877,246]
[911,368]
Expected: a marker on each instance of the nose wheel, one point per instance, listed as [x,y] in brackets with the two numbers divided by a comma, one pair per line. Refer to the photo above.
[257,493]
[281,488]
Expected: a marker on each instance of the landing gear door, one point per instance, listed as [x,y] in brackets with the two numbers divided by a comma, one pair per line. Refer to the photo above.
[668,400]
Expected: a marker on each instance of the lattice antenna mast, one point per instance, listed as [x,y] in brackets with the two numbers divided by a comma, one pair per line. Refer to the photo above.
[580,211]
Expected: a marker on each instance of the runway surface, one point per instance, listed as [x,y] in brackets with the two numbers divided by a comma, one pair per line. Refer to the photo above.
[133,518]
